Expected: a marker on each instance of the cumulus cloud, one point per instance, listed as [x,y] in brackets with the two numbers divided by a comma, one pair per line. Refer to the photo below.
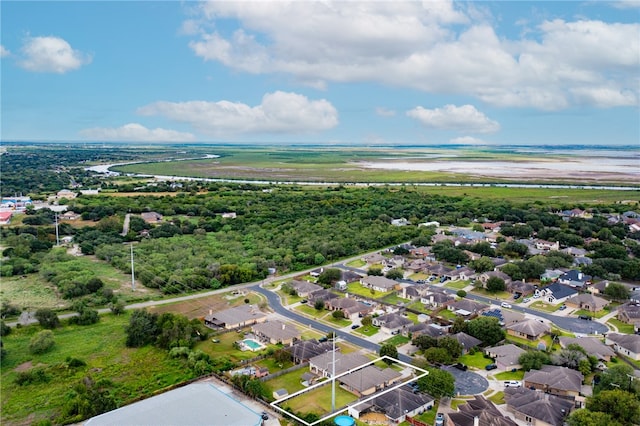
[134,132]
[626,4]
[51,54]
[4,52]
[279,112]
[432,46]
[465,118]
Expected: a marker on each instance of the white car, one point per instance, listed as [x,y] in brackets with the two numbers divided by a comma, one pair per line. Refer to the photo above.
[512,384]
[505,305]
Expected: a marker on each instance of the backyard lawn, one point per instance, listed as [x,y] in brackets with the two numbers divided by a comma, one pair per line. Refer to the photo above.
[226,348]
[357,288]
[289,381]
[476,360]
[318,400]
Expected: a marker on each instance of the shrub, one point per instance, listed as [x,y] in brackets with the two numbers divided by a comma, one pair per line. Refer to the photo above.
[31,376]
[461,293]
[41,342]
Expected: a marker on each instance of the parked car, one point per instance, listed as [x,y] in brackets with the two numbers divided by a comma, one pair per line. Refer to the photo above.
[439,419]
[354,326]
[526,299]
[562,308]
[461,366]
[303,301]
[536,296]
[585,317]
[505,305]
[490,367]
[512,384]
[264,415]
[516,296]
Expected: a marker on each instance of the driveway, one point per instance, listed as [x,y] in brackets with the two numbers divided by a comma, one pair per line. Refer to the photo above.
[467,382]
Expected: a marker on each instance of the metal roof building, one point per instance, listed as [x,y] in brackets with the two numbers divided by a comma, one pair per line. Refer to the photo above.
[194,404]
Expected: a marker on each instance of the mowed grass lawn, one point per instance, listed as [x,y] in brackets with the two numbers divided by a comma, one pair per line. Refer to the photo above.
[476,360]
[135,372]
[318,400]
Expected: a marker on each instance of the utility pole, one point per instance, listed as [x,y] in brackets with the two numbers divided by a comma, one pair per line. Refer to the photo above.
[133,273]
[57,235]
[333,376]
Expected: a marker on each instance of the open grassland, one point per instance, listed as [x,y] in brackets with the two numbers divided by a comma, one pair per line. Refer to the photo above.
[135,373]
[343,164]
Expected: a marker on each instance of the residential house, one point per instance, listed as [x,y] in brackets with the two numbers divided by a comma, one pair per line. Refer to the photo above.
[400,222]
[478,411]
[304,350]
[439,270]
[304,288]
[323,366]
[547,245]
[505,317]
[421,252]
[324,295]
[592,345]
[521,287]
[416,265]
[229,215]
[587,301]
[492,226]
[468,235]
[349,276]
[436,299]
[484,277]
[66,193]
[551,274]
[464,273]
[466,307]
[151,217]
[466,341]
[575,251]
[529,329]
[625,344]
[276,332]
[432,223]
[377,283]
[629,313]
[575,278]
[5,217]
[423,328]
[555,293]
[351,308]
[396,261]
[506,357]
[70,215]
[238,317]
[397,405]
[368,380]
[555,380]
[537,408]
[392,323]
[600,286]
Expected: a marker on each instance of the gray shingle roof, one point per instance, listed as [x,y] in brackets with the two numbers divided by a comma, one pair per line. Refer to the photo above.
[547,408]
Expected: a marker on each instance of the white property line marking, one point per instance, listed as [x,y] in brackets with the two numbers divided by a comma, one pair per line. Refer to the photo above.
[274,404]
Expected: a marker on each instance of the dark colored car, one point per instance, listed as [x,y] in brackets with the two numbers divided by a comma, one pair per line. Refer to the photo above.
[490,367]
[584,317]
[516,296]
[354,326]
[461,366]
[264,415]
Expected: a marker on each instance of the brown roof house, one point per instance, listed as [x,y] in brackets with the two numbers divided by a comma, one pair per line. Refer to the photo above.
[276,332]
[351,308]
[377,283]
[466,307]
[625,344]
[392,323]
[478,412]
[506,357]
[238,317]
[466,341]
[396,405]
[151,217]
[629,313]
[322,364]
[587,301]
[528,329]
[555,380]
[304,288]
[369,380]
[536,408]
[592,345]
[304,350]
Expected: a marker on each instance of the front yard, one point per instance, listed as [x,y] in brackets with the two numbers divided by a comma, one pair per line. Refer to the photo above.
[358,289]
[621,326]
[476,360]
[544,306]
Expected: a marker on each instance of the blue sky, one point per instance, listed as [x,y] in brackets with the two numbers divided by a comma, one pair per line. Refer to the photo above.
[353,73]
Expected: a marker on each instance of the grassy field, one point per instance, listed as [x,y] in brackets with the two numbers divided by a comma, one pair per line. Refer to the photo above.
[509,375]
[32,291]
[134,372]
[476,360]
[544,306]
[621,326]
[318,400]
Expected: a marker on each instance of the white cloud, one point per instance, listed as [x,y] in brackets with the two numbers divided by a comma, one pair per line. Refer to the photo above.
[465,118]
[467,140]
[51,54]
[279,112]
[134,132]
[4,52]
[384,112]
[433,46]
[626,4]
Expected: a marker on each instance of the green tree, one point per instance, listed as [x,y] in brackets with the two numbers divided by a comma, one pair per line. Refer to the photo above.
[461,293]
[617,291]
[4,329]
[329,276]
[584,417]
[438,383]
[47,318]
[367,321]
[117,307]
[481,265]
[86,316]
[534,360]
[142,329]
[495,284]
[436,355]
[337,314]
[375,270]
[623,406]
[425,342]
[486,329]
[617,376]
[42,342]
[394,274]
[459,325]
[319,304]
[389,350]
[451,345]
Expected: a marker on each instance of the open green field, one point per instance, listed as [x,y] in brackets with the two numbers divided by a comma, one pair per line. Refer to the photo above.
[343,164]
[318,400]
[135,373]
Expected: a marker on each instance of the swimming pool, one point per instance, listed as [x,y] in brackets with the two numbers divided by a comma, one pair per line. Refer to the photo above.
[252,344]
